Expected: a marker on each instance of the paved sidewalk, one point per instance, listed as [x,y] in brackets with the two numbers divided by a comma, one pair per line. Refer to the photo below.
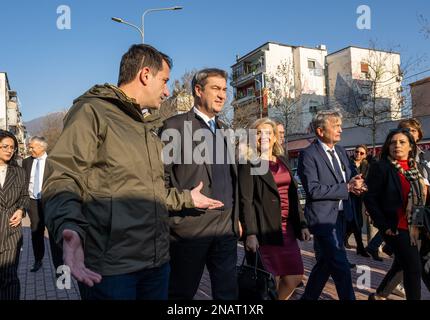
[41,285]
[377,271]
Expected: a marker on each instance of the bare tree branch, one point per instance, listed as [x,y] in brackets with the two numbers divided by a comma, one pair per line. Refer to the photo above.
[379,96]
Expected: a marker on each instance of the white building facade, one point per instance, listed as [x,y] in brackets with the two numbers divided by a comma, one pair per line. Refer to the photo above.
[10,113]
[277,80]
[360,79]
[312,80]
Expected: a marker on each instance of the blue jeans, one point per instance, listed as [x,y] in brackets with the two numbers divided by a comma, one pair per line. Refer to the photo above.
[146,284]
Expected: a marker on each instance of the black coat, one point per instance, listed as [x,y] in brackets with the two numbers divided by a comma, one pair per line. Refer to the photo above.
[27,164]
[384,196]
[186,175]
[260,206]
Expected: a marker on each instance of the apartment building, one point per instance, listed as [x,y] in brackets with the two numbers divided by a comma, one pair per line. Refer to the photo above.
[292,83]
[277,80]
[10,113]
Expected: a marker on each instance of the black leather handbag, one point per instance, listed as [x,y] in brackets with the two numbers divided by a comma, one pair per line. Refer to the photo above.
[255,283]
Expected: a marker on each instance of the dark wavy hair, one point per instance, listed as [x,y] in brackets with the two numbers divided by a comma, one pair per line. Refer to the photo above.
[405,131]
[6,134]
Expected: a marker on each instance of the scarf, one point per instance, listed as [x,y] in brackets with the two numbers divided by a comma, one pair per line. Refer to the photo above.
[416,195]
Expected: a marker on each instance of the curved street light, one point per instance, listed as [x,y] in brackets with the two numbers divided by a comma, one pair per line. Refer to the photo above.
[142,29]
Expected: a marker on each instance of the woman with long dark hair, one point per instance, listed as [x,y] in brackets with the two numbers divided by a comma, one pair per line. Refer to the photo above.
[395,189]
[13,204]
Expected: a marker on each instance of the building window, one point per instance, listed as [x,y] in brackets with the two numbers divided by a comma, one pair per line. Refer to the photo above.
[312,64]
[237,71]
[313,106]
[250,91]
[364,67]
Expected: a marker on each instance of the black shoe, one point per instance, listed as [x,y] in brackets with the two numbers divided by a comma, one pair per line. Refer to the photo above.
[374,254]
[387,250]
[374,296]
[347,246]
[36,266]
[363,253]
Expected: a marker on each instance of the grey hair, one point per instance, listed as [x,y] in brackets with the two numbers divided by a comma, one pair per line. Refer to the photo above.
[321,118]
[278,122]
[200,78]
[41,140]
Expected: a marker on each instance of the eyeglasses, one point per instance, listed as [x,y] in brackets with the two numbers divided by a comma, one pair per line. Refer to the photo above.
[5,147]
[359,152]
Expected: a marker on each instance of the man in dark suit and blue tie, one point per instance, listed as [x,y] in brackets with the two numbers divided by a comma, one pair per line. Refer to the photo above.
[326,176]
[202,238]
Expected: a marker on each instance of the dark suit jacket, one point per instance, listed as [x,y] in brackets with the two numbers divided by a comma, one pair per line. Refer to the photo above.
[260,205]
[323,187]
[13,196]
[384,196]
[27,163]
[183,176]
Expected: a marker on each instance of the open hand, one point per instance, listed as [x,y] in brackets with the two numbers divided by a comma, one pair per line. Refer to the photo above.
[73,255]
[203,202]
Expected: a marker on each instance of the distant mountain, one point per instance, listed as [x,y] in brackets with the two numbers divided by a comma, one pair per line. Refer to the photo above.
[38,125]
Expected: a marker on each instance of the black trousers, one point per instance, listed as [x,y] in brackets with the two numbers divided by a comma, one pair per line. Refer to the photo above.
[353,228]
[406,259]
[387,287]
[217,249]
[37,225]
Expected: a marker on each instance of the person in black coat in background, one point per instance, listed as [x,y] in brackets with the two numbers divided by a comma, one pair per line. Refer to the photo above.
[13,203]
[271,216]
[359,162]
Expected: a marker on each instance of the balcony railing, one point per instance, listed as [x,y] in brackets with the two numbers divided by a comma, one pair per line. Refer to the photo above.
[242,100]
[246,76]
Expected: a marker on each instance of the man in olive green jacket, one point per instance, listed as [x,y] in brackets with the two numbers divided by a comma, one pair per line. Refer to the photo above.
[104,193]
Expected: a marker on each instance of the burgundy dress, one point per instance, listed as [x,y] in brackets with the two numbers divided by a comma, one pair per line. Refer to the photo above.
[286,259]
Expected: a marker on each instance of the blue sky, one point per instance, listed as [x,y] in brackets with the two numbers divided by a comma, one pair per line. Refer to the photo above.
[50,67]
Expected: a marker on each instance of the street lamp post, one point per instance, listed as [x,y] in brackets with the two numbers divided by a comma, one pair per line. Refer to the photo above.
[119,20]
[261,97]
[142,29]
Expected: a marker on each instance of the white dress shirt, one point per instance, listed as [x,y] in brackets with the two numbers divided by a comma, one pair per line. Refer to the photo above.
[205,118]
[3,173]
[42,161]
[326,149]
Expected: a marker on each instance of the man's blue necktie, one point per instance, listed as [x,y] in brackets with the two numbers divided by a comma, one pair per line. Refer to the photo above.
[336,164]
[36,182]
[212,125]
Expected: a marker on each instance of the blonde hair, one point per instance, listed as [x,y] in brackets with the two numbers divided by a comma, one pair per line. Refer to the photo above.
[277,148]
